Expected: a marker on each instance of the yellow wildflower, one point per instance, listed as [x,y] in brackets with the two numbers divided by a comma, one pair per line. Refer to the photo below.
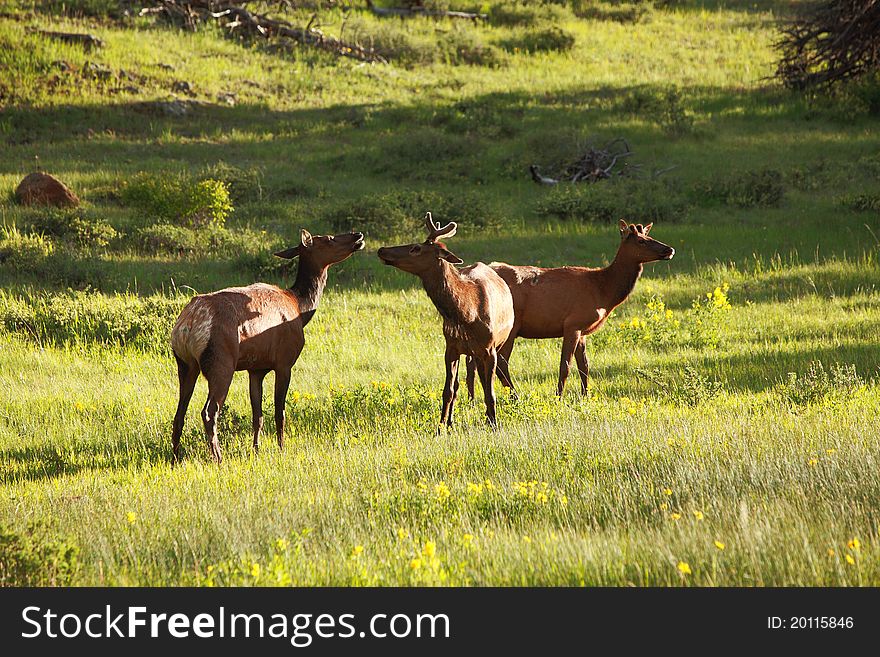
[357,551]
[255,570]
[415,564]
[467,539]
[675,516]
[131,517]
[854,544]
[402,534]
[850,560]
[719,545]
[430,549]
[684,568]
[698,515]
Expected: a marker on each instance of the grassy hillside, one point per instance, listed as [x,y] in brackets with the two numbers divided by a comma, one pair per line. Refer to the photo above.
[728,436]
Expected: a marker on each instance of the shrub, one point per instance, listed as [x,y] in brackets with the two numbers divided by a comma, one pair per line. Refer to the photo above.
[210,240]
[22,252]
[699,326]
[685,387]
[663,107]
[179,198]
[75,227]
[86,317]
[819,385]
[551,39]
[527,13]
[637,201]
[861,202]
[426,154]
[245,185]
[619,12]
[402,213]
[763,188]
[36,558]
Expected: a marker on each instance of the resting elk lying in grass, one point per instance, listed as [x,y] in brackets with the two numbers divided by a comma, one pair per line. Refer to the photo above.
[257,328]
[573,302]
[475,305]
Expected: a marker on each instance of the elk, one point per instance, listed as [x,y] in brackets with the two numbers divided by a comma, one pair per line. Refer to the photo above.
[474,302]
[257,328]
[572,302]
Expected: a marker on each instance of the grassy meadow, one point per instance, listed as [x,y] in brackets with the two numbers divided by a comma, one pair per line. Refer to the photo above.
[729,437]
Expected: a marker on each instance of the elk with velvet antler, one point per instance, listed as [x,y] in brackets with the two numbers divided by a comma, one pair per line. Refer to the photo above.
[474,302]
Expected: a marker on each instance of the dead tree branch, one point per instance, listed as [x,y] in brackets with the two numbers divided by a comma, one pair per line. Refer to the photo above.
[831,41]
[594,165]
[240,22]
[87,41]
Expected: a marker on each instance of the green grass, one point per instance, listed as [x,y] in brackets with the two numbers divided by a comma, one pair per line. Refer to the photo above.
[697,446]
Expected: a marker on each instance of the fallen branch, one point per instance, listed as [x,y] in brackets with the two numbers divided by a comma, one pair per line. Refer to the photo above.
[594,165]
[87,41]
[239,21]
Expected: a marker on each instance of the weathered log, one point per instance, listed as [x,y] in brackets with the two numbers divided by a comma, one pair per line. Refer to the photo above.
[87,41]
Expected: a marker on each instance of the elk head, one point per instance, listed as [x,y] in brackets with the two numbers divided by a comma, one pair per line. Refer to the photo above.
[421,258]
[324,250]
[635,244]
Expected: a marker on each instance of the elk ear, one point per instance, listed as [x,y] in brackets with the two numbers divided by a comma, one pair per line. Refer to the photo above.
[648,229]
[448,256]
[288,254]
[624,227]
[306,238]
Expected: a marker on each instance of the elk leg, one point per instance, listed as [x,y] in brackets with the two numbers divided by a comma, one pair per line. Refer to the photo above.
[471,365]
[583,365]
[282,383]
[487,374]
[256,392]
[569,341]
[503,365]
[218,387]
[187,376]
[454,395]
[449,389]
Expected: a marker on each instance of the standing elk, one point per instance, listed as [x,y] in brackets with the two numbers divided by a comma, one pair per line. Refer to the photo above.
[474,302]
[257,328]
[573,302]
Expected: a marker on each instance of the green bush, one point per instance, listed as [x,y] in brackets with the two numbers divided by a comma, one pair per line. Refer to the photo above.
[861,202]
[764,188]
[245,184]
[86,317]
[619,12]
[407,44]
[206,240]
[527,13]
[550,39]
[664,107]
[402,213]
[426,154]
[819,385]
[22,252]
[179,198]
[685,387]
[76,227]
[637,201]
[36,558]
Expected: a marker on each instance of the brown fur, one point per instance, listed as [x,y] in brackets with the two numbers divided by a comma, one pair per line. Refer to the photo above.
[258,328]
[573,302]
[474,302]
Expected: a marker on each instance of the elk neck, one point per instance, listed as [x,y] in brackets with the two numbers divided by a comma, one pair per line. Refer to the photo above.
[443,286]
[308,288]
[620,279]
